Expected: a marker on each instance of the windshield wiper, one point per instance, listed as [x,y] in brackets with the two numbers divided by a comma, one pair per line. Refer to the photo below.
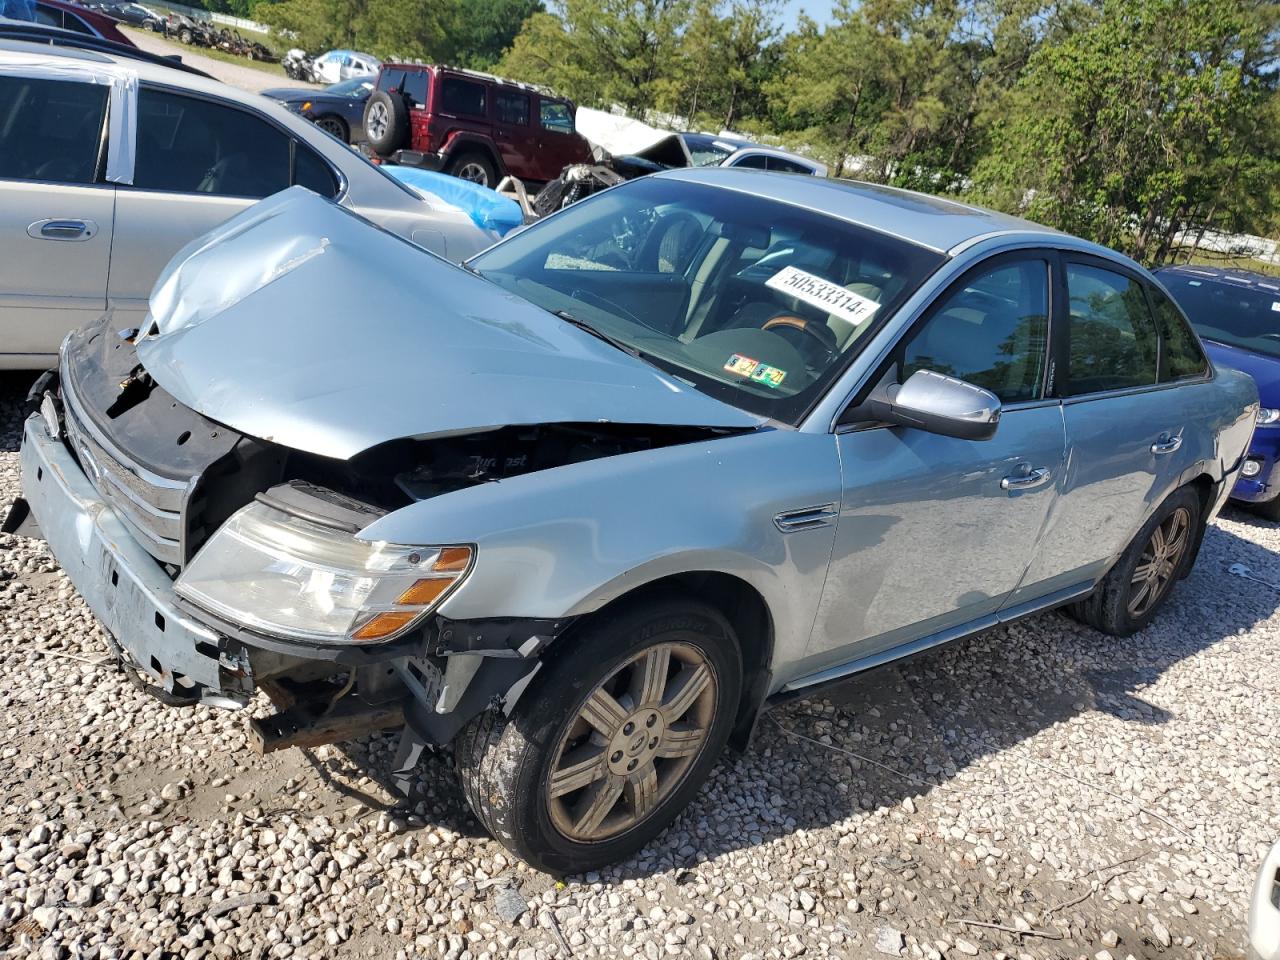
[625,347]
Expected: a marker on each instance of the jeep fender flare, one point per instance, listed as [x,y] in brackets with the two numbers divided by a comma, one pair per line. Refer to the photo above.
[459,142]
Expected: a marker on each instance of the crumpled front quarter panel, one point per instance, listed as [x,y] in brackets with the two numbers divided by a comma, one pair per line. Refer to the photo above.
[566,541]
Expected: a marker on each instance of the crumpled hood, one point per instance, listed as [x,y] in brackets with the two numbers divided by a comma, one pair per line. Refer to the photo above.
[301,323]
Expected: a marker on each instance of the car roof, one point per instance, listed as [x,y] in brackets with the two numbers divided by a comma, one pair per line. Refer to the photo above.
[1249,279]
[146,70]
[934,222]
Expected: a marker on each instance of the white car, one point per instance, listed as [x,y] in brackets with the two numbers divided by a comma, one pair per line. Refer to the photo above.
[109,165]
[339,65]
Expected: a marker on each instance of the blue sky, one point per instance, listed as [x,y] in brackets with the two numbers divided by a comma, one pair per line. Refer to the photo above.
[819,10]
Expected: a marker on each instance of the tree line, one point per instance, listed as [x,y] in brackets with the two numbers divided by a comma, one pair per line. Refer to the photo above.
[1128,122]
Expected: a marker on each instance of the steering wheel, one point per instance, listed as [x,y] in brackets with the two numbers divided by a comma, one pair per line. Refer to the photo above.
[819,331]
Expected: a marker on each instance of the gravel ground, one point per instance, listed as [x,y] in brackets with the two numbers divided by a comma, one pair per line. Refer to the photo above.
[1039,791]
[246,78]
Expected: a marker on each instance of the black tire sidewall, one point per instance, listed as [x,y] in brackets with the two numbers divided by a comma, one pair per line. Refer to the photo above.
[1115,598]
[556,696]
[397,128]
[474,156]
[343,133]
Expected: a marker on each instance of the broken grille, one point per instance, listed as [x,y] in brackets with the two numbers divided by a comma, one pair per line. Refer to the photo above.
[151,506]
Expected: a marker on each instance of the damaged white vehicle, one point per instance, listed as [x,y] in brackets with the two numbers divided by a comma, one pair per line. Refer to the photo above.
[584,506]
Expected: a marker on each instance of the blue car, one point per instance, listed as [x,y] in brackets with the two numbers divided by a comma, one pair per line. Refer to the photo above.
[1237,314]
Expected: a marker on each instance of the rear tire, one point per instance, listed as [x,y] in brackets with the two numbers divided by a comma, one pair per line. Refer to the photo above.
[664,677]
[386,122]
[1138,585]
[474,166]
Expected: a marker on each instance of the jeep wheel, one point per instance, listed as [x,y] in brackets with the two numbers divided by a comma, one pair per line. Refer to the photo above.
[474,166]
[1140,582]
[611,740]
[386,122]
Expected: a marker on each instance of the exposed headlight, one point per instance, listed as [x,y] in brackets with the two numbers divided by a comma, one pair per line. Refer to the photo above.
[1268,415]
[279,574]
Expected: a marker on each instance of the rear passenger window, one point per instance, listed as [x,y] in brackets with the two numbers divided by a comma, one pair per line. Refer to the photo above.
[753,161]
[788,166]
[1113,341]
[462,97]
[1181,356]
[556,116]
[196,146]
[50,129]
[991,330]
[512,108]
[313,173]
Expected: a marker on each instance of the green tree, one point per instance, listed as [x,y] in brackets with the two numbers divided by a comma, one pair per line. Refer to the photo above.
[603,51]
[482,30]
[1125,129]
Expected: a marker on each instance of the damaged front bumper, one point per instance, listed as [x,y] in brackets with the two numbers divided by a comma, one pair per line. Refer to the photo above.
[125,588]
[435,682]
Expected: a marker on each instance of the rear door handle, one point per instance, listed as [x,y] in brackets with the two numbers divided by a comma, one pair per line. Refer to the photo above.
[1166,444]
[1025,481]
[53,229]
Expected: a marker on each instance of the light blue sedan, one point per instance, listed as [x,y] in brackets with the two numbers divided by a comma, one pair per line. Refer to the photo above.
[586,505]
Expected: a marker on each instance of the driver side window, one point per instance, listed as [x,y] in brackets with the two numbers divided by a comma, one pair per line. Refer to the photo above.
[190,145]
[991,329]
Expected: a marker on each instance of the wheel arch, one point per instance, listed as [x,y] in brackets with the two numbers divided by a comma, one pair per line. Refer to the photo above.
[740,602]
[465,142]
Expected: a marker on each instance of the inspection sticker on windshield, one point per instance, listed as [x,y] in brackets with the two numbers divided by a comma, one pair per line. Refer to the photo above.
[755,370]
[823,294]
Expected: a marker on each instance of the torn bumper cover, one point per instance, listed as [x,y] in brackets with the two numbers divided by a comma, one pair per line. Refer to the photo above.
[124,587]
[450,670]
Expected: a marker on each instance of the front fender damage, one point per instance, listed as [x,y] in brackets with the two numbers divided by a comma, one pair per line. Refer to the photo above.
[488,664]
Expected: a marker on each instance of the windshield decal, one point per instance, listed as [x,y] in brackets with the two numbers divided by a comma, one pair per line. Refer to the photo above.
[755,370]
[1275,305]
[823,294]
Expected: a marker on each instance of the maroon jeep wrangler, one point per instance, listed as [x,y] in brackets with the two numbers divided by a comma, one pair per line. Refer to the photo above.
[471,125]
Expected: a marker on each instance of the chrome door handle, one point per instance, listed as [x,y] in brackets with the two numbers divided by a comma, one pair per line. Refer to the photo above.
[1025,481]
[62,229]
[1166,445]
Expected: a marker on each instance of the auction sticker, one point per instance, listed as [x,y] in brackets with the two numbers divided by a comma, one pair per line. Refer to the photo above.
[823,294]
[769,376]
[742,366]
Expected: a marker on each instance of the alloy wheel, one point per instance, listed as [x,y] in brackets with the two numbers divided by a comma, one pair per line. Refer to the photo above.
[378,121]
[332,126]
[473,172]
[1159,562]
[632,742]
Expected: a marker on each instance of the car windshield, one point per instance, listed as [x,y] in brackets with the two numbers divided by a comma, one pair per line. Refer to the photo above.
[1229,312]
[355,88]
[756,302]
[706,151]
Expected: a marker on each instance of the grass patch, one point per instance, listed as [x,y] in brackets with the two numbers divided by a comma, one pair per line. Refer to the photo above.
[211,53]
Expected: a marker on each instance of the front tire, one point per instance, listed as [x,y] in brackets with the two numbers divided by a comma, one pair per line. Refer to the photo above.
[334,126]
[612,739]
[1133,592]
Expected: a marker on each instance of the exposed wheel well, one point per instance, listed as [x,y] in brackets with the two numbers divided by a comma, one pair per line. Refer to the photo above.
[1203,486]
[460,147]
[745,609]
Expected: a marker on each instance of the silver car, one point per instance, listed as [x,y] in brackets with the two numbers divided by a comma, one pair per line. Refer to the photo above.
[587,505]
[109,165]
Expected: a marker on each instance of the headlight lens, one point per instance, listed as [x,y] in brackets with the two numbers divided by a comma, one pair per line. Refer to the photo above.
[282,575]
[1268,416]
